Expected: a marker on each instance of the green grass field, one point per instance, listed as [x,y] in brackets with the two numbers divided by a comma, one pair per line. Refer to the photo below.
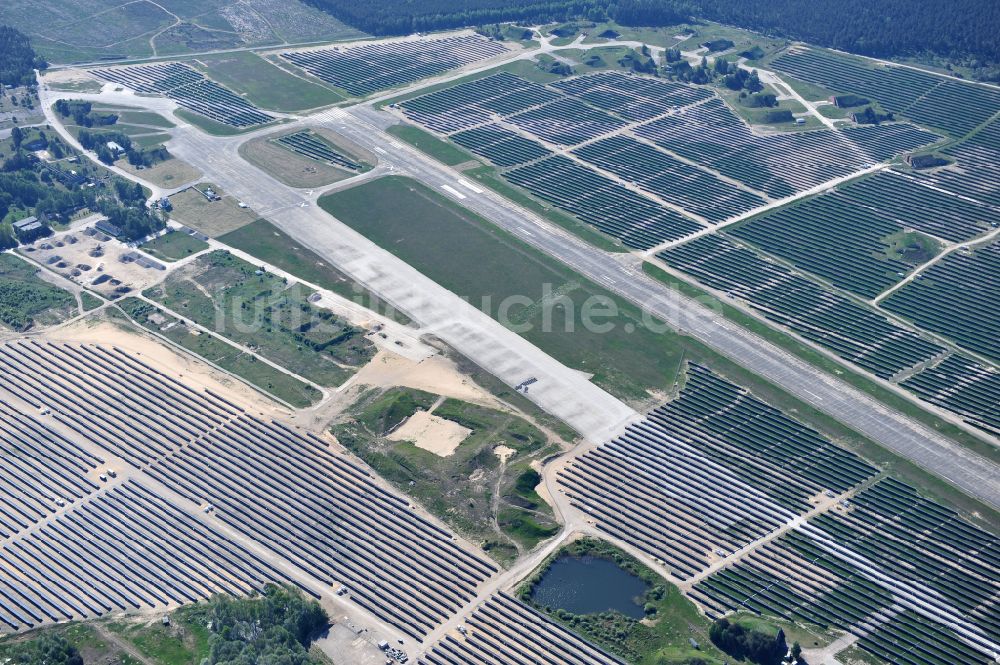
[458,488]
[129,116]
[93,648]
[217,352]
[27,300]
[174,245]
[92,31]
[476,260]
[652,36]
[444,152]
[90,301]
[225,295]
[210,126]
[273,246]
[263,83]
[184,642]
[809,636]
[213,218]
[169,174]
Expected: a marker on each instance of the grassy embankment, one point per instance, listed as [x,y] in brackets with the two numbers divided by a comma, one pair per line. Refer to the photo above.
[263,312]
[174,246]
[490,502]
[259,374]
[27,300]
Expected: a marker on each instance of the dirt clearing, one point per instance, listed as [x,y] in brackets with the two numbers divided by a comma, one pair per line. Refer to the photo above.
[431,433]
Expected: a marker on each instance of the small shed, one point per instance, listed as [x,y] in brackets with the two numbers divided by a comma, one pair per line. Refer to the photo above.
[106,227]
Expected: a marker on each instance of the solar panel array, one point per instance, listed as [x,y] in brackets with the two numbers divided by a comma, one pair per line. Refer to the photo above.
[915,582]
[589,144]
[843,236]
[616,210]
[709,472]
[506,119]
[778,165]
[830,236]
[977,170]
[852,331]
[143,523]
[505,631]
[913,204]
[368,68]
[122,548]
[110,398]
[670,179]
[965,386]
[318,509]
[39,469]
[944,103]
[501,146]
[312,146]
[190,89]
[477,102]
[633,98]
[959,296]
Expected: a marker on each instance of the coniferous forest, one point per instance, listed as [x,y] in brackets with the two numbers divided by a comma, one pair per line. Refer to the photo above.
[960,30]
[17,59]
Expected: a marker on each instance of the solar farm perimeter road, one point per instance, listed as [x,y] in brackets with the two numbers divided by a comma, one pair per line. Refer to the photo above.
[968,471]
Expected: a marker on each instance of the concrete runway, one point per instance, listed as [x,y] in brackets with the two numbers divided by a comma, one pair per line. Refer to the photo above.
[968,471]
[561,391]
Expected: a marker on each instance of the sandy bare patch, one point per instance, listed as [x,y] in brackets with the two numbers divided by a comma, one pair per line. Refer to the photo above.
[213,218]
[542,489]
[96,261]
[165,359]
[436,375]
[70,78]
[431,433]
[503,452]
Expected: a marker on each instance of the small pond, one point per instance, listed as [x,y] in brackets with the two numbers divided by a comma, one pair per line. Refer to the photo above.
[588,585]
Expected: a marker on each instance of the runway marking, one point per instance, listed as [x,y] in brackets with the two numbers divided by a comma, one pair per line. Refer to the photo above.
[378,149]
[468,185]
[451,190]
[818,398]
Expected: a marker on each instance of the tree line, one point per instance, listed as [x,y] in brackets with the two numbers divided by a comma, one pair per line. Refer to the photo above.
[29,186]
[275,627]
[744,643]
[83,113]
[400,17]
[17,59]
[966,31]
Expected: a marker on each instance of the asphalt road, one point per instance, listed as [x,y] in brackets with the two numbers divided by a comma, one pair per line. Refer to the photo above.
[966,470]
[561,391]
